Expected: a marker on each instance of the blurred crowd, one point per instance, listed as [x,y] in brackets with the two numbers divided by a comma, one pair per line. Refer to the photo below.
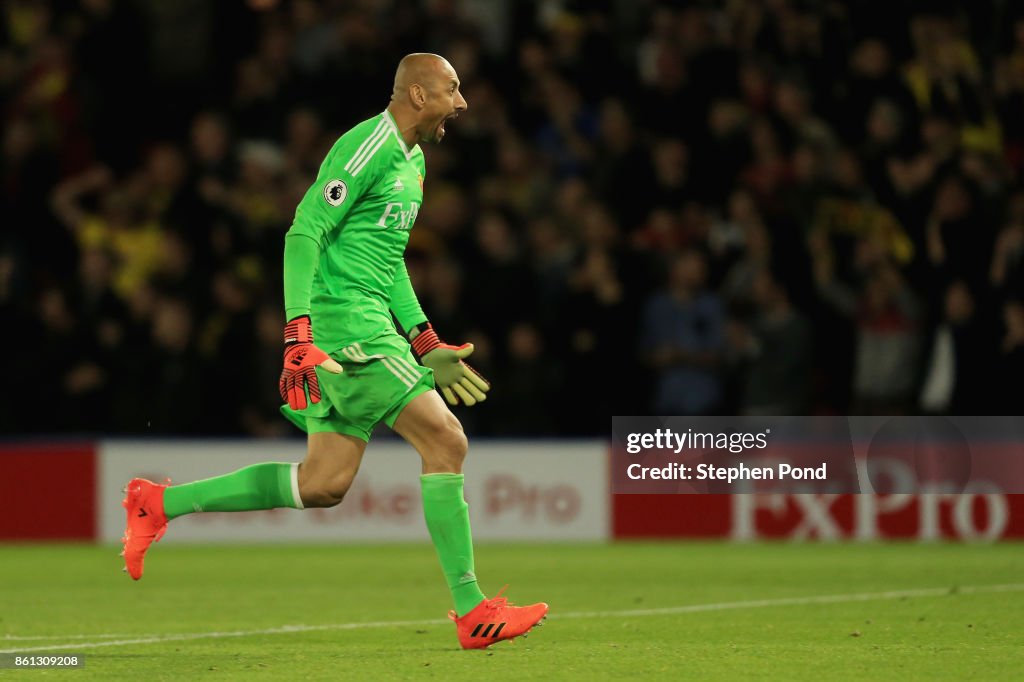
[705,207]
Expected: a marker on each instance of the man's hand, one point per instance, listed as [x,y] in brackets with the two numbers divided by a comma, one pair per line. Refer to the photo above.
[301,358]
[458,381]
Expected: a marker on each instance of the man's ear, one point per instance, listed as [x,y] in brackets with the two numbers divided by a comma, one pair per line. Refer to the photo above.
[417,95]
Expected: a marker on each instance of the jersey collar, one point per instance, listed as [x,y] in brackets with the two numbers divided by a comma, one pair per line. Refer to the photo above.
[394,128]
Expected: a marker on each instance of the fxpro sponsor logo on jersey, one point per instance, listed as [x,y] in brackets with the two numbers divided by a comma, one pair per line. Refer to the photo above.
[399,215]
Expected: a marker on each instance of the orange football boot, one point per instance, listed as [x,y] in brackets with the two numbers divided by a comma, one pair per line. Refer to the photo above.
[144,504]
[494,620]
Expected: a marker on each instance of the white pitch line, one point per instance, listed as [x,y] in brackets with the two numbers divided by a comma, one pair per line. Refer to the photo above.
[629,613]
[18,638]
[798,601]
[284,629]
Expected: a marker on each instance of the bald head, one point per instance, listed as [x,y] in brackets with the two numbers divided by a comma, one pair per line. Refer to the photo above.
[420,68]
[425,95]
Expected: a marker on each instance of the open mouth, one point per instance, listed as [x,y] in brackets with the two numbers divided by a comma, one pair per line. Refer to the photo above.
[449,117]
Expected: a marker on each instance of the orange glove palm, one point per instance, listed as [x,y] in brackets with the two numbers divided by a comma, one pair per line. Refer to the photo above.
[301,358]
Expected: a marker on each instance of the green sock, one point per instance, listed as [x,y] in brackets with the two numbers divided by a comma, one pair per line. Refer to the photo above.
[447,516]
[260,486]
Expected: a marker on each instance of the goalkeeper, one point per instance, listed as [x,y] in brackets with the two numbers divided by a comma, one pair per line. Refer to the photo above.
[346,367]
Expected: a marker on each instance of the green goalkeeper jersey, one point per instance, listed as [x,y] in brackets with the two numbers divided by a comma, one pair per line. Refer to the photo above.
[344,254]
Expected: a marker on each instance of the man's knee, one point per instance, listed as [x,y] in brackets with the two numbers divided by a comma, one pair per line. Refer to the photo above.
[449,445]
[327,491]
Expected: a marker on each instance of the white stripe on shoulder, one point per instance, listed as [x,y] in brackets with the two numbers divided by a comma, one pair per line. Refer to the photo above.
[398,135]
[382,127]
[369,155]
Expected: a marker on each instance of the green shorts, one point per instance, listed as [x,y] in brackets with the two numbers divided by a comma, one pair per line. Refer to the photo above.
[381,377]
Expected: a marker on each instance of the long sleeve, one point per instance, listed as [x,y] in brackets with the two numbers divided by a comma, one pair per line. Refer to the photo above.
[323,209]
[301,254]
[404,304]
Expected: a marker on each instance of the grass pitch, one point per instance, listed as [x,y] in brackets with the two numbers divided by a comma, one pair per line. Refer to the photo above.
[654,611]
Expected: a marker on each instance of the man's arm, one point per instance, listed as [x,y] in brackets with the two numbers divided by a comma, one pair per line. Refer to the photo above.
[301,254]
[338,186]
[301,356]
[404,304]
[459,383]
[321,211]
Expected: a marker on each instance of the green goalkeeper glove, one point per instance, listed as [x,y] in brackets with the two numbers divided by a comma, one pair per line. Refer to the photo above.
[458,381]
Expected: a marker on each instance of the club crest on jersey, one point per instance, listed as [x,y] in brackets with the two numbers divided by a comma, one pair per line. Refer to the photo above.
[335,192]
[398,215]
